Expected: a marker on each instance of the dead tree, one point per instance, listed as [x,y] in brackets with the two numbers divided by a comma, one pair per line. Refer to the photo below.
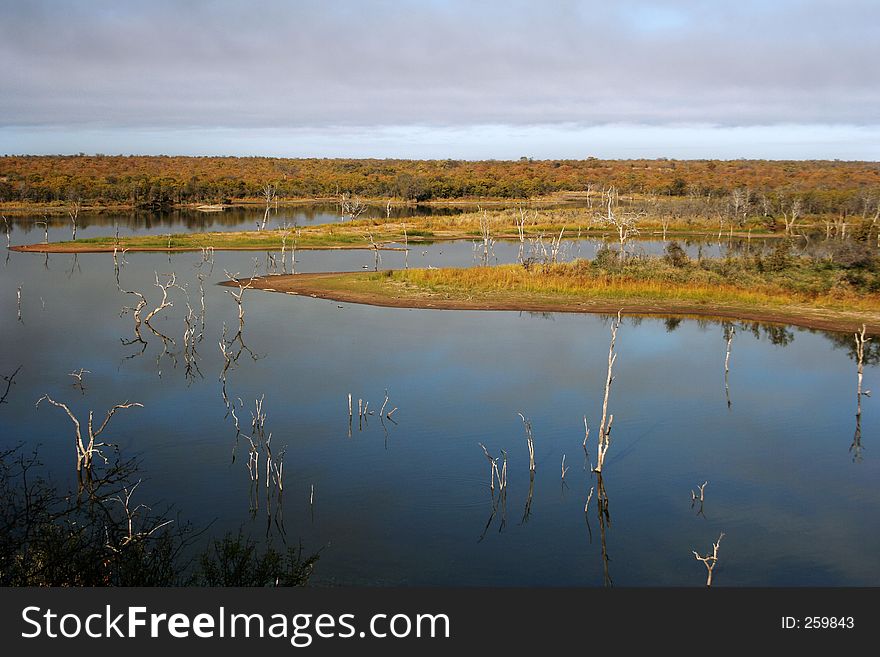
[164,303]
[136,313]
[700,499]
[710,560]
[521,229]
[604,438]
[351,206]
[791,212]
[45,225]
[376,251]
[8,238]
[861,340]
[78,375]
[530,441]
[87,449]
[238,297]
[625,224]
[260,444]
[190,343]
[18,301]
[405,248]
[284,235]
[116,263]
[269,196]
[132,536]
[74,216]
[487,242]
[729,333]
[739,204]
[493,467]
[664,223]
[556,245]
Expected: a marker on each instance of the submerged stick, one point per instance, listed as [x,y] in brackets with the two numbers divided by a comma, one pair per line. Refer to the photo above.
[710,560]
[607,420]
[530,442]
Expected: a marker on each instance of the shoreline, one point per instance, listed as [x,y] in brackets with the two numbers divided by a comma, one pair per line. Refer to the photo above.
[224,241]
[336,286]
[55,208]
[65,247]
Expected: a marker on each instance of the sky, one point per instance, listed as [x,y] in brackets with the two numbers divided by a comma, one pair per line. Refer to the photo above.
[467,79]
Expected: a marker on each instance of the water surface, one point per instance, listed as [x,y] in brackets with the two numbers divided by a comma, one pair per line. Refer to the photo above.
[408,503]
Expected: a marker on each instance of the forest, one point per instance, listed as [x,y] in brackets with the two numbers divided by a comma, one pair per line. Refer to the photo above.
[823,187]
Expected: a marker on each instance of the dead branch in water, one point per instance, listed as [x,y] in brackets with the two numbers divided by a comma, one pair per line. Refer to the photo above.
[376,251]
[78,375]
[260,445]
[45,225]
[729,333]
[351,206]
[136,313]
[530,441]
[238,297]
[700,499]
[607,420]
[493,466]
[10,380]
[861,341]
[86,450]
[131,535]
[710,560]
[169,283]
[488,243]
[74,216]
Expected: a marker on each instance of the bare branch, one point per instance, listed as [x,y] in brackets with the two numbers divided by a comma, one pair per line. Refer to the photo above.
[710,560]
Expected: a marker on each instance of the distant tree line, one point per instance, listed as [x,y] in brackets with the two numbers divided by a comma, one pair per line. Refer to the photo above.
[156,181]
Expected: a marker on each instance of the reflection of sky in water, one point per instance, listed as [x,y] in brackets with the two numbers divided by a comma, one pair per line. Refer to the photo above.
[23,229]
[410,507]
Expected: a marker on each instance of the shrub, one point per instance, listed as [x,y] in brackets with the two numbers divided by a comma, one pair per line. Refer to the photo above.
[780,259]
[675,255]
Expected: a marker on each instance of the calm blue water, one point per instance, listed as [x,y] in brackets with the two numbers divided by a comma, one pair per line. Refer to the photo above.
[408,503]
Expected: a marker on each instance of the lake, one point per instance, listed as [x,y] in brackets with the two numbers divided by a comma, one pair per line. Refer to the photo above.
[408,502]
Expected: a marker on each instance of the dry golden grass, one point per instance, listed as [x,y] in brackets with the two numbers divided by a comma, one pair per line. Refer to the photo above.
[581,280]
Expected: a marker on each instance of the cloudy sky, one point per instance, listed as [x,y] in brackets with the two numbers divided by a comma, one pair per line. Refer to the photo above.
[443,78]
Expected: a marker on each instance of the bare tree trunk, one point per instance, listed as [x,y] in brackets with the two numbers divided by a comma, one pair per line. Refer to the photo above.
[607,420]
[710,560]
[530,441]
[74,216]
[729,333]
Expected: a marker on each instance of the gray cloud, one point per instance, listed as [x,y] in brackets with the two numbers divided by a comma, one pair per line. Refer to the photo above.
[437,62]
